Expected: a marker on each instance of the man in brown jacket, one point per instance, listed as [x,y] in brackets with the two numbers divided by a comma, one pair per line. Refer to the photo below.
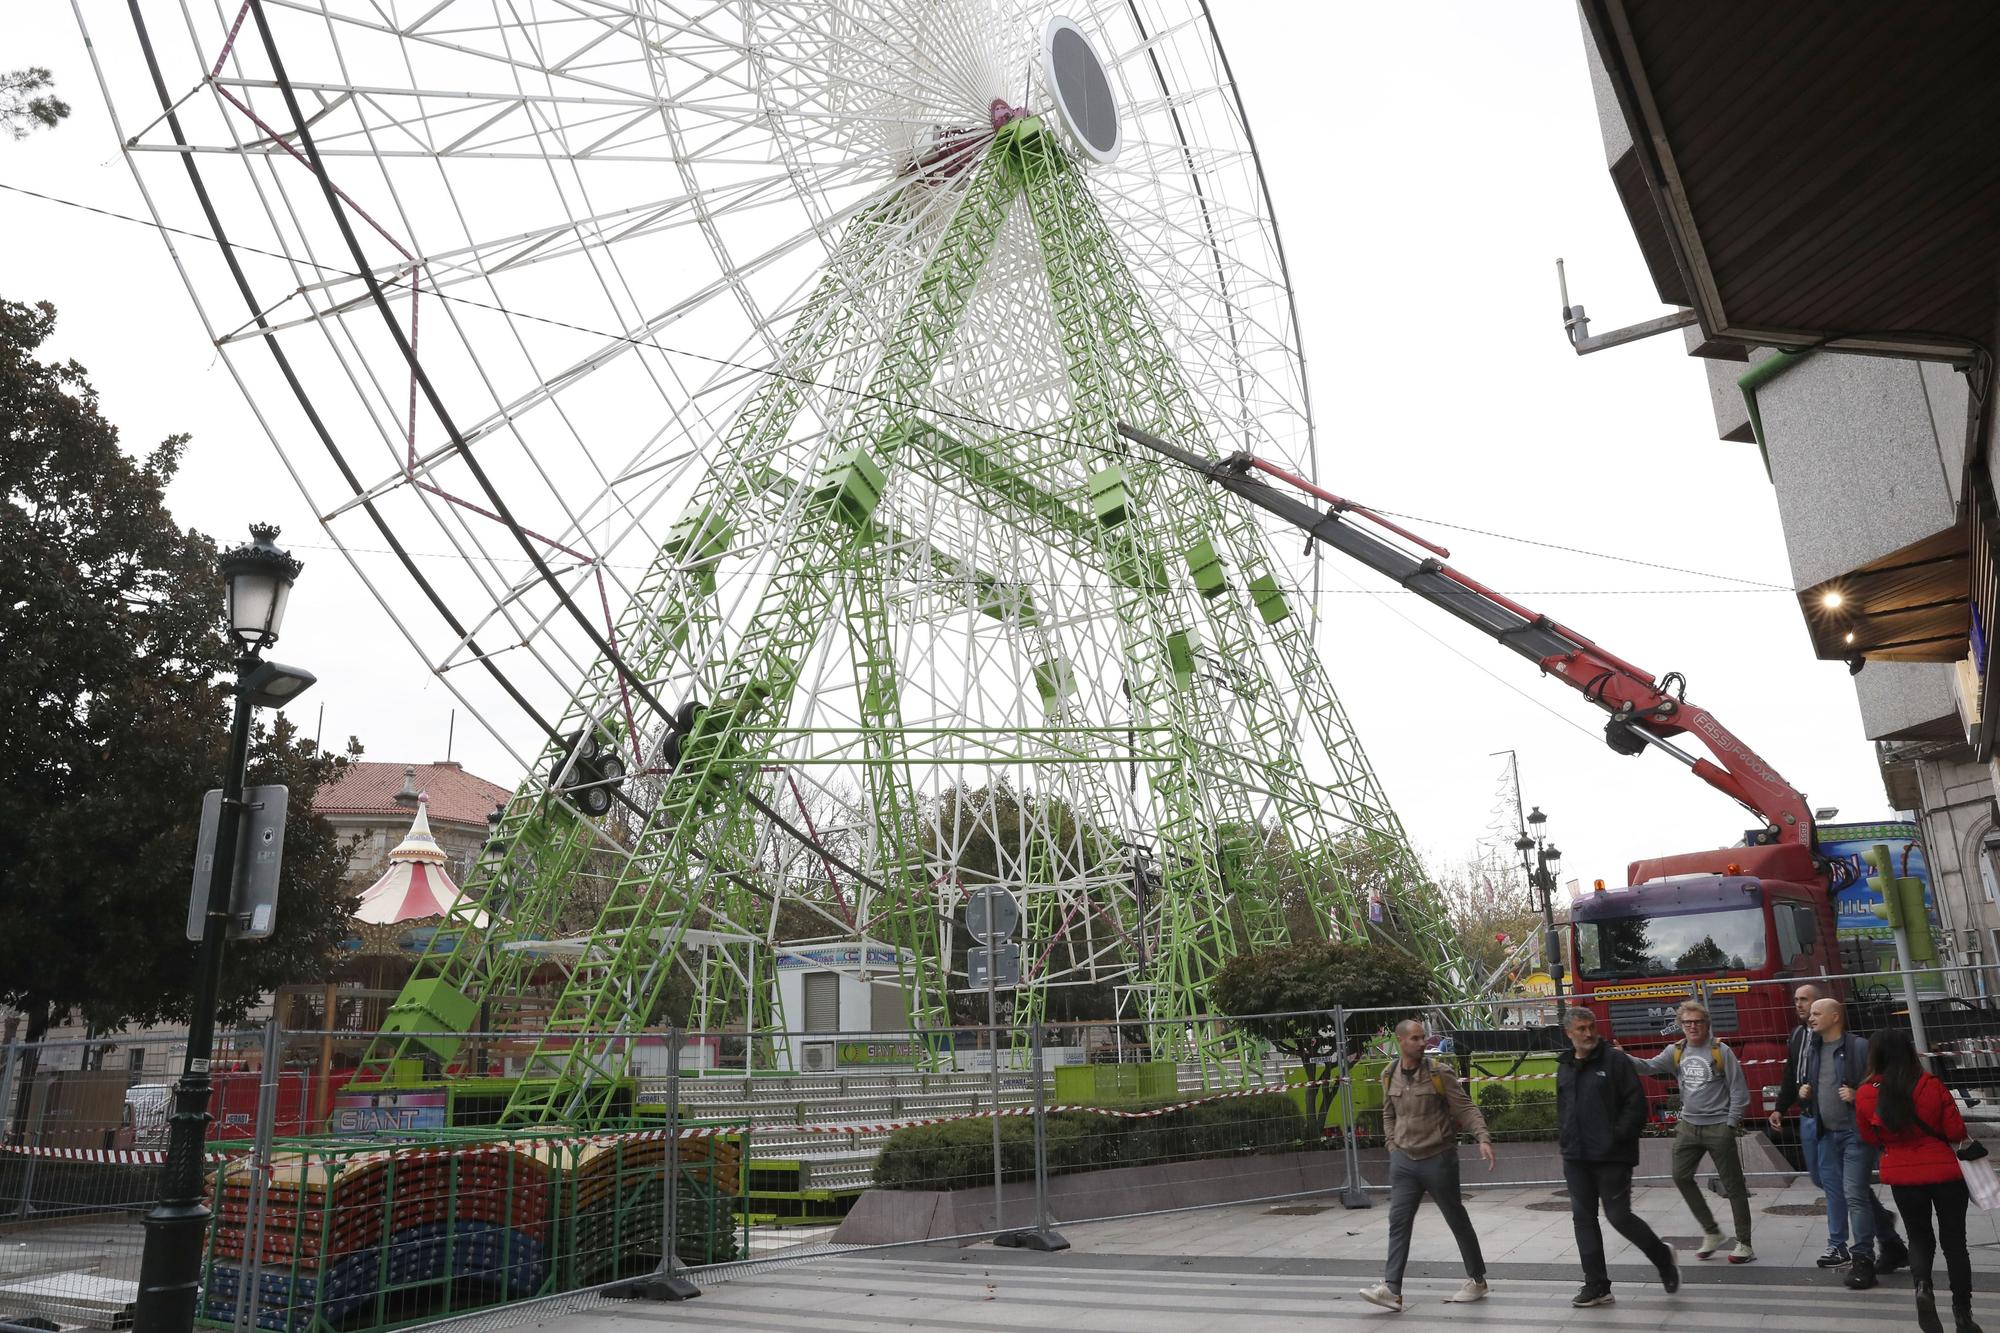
[1424,1110]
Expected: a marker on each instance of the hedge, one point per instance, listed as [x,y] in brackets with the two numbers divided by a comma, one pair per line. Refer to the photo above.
[959,1153]
[1518,1114]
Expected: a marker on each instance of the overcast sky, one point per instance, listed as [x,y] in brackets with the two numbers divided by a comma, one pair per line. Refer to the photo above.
[1427,165]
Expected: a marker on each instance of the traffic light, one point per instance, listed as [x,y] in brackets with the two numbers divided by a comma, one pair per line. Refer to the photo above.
[1902,904]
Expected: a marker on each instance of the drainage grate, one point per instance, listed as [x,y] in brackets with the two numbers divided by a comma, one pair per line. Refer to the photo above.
[1796,1209]
[1550,1206]
[1297,1210]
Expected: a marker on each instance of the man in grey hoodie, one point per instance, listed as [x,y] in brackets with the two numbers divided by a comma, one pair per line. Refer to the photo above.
[1714,1098]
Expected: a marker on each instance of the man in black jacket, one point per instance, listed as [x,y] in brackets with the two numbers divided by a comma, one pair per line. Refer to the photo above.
[1600,1111]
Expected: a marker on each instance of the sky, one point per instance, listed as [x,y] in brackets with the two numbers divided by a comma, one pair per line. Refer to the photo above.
[1427,166]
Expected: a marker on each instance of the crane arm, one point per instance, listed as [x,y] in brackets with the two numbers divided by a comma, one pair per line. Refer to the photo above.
[1644,712]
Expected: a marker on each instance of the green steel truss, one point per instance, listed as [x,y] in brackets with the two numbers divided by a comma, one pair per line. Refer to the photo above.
[924,557]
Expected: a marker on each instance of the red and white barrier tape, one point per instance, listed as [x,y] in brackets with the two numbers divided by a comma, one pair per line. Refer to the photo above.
[158,1156]
[115,1156]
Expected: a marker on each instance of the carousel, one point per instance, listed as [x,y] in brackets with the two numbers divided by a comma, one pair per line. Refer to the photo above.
[401,913]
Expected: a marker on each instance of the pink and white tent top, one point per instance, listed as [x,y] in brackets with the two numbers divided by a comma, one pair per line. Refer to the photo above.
[415,885]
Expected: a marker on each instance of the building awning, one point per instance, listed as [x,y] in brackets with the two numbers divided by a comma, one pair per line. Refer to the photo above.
[1819,178]
[1909,606]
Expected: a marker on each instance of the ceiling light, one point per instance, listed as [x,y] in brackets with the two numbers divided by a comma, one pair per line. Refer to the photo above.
[1831,601]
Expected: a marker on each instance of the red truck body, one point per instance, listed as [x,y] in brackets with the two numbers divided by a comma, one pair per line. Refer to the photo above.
[1734,924]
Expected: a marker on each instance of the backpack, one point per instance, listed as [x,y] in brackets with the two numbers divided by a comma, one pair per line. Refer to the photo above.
[1438,1077]
[1714,1055]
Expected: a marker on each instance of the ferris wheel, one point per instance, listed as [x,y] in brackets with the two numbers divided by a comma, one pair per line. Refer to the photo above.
[723,400]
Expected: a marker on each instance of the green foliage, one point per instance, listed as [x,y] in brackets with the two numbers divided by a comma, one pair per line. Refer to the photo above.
[1494,1098]
[21,110]
[959,1153]
[111,629]
[997,834]
[1304,982]
[1285,997]
[1515,1112]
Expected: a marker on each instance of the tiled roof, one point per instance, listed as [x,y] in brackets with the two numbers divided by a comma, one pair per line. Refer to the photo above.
[363,788]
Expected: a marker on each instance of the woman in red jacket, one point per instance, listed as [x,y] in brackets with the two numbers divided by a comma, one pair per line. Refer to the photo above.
[1911,1117]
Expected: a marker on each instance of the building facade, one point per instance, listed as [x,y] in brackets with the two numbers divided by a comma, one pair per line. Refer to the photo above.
[1828,228]
[371,805]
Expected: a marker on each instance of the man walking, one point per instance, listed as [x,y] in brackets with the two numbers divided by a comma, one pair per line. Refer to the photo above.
[1714,1097]
[1424,1110]
[1836,1061]
[1600,1110]
[1893,1254]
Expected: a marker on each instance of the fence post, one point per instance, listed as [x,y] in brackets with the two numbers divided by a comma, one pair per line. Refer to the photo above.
[1352,1192]
[250,1269]
[31,1133]
[8,1060]
[666,1284]
[1041,1236]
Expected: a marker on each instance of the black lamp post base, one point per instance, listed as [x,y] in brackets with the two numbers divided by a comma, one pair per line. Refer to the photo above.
[170,1266]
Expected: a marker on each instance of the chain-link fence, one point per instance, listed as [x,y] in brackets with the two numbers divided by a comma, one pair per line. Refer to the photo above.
[430,1196]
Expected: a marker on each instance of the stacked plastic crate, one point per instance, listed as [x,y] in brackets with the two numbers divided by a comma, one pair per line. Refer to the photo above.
[367,1238]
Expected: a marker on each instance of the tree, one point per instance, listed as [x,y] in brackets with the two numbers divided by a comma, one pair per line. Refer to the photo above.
[1285,997]
[997,835]
[111,631]
[21,111]
[1491,911]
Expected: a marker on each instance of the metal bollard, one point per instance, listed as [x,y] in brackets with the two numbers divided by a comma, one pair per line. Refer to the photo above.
[1352,1192]
[1041,1236]
[666,1284]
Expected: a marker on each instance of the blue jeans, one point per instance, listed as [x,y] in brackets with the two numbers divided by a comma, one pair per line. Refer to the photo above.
[1809,1147]
[1845,1164]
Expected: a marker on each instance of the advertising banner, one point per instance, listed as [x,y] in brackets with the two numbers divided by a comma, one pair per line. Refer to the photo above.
[390,1112]
[1855,907]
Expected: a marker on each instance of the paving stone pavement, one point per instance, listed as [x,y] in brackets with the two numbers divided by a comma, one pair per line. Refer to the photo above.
[1250,1267]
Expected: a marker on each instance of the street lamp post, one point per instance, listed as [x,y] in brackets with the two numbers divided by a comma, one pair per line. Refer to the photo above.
[258,581]
[1539,858]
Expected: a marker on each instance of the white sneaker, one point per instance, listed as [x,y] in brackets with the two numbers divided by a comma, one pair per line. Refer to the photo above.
[1742,1254]
[1711,1241]
[1379,1294]
[1473,1290]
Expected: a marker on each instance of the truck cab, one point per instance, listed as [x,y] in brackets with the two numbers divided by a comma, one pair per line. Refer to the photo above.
[1735,923]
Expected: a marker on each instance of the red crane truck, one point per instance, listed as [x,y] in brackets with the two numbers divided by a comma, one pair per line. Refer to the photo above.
[1718,920]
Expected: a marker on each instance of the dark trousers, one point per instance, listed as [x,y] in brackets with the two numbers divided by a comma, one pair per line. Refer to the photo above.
[1916,1203]
[1410,1178]
[1609,1185]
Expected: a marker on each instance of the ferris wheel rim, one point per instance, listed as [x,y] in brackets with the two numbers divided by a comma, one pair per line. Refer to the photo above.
[1267,218]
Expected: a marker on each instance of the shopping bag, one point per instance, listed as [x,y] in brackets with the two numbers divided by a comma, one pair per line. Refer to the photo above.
[1980,1180]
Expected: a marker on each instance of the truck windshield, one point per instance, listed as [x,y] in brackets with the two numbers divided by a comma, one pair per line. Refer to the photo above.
[1731,939]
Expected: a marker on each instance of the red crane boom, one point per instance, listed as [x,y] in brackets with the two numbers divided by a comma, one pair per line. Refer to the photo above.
[1644,711]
